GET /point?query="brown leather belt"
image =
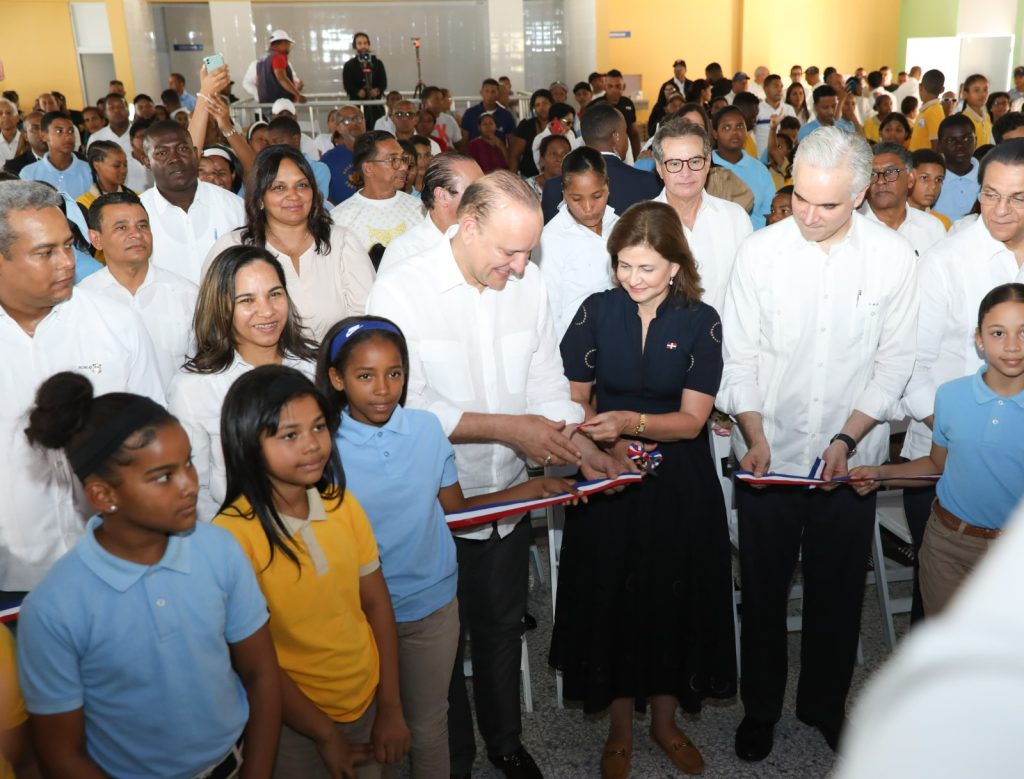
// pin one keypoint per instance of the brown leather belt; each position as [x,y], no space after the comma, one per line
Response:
[953,522]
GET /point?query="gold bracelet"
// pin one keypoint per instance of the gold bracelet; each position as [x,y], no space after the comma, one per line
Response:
[640,428]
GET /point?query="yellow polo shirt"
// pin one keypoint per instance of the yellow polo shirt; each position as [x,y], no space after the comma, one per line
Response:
[982,127]
[871,129]
[750,146]
[12,706]
[322,637]
[926,128]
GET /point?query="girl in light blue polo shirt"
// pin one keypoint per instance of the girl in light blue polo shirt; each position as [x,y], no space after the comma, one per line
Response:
[401,468]
[977,446]
[145,651]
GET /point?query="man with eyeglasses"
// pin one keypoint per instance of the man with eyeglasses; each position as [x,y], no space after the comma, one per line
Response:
[349,126]
[713,227]
[953,277]
[931,113]
[404,118]
[892,179]
[380,211]
[818,341]
[957,142]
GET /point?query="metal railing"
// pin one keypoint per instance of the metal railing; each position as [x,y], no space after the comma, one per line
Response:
[312,115]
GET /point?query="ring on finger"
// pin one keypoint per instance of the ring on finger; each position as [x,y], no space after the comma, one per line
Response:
[547,461]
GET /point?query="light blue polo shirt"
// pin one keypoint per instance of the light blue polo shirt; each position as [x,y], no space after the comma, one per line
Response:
[144,650]
[984,435]
[75,181]
[395,472]
[756,176]
[958,193]
[814,124]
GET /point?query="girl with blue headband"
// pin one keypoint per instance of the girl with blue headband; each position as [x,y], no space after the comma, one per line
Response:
[401,468]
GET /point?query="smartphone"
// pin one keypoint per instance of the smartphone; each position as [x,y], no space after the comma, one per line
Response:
[213,62]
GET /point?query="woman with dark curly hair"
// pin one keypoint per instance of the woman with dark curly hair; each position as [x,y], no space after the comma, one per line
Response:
[328,272]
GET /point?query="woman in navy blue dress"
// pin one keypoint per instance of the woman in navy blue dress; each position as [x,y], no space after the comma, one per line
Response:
[644,588]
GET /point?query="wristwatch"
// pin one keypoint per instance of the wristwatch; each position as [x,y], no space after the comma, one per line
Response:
[851,445]
[640,428]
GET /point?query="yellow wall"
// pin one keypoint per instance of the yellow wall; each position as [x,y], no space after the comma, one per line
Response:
[38,50]
[742,34]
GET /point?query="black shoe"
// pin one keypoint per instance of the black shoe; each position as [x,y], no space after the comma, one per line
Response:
[517,765]
[829,732]
[754,740]
[529,621]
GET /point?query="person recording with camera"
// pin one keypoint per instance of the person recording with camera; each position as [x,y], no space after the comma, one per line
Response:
[365,78]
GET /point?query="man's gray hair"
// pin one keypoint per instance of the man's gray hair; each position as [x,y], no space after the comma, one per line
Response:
[494,190]
[22,196]
[901,151]
[10,103]
[678,128]
[441,173]
[830,148]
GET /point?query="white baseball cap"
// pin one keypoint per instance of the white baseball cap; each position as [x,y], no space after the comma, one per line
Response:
[281,35]
[283,104]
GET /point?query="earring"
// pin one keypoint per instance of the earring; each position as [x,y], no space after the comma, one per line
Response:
[112,509]
[671,280]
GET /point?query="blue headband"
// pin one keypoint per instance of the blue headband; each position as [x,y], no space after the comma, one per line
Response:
[367,324]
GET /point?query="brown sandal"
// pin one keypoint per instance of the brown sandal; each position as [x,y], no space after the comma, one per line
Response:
[681,751]
[615,761]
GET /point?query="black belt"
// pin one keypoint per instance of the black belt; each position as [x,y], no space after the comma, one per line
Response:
[228,765]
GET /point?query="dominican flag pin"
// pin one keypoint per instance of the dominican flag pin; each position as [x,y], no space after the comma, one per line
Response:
[671,345]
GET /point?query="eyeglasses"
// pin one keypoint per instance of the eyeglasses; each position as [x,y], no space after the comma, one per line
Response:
[405,114]
[988,197]
[397,162]
[949,100]
[351,120]
[694,163]
[889,174]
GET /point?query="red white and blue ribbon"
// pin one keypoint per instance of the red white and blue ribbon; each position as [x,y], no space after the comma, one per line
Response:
[481,515]
[10,614]
[813,479]
[645,460]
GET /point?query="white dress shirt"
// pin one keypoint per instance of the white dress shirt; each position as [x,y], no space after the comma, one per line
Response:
[9,149]
[809,337]
[953,277]
[574,263]
[139,177]
[763,124]
[378,221]
[491,352]
[921,229]
[166,303]
[327,287]
[196,400]
[717,232]
[182,240]
[43,510]
[410,243]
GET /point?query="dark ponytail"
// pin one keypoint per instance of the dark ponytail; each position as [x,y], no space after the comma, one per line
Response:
[97,433]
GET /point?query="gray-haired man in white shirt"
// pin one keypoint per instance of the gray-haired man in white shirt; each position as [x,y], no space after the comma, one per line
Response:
[484,359]
[819,334]
[45,329]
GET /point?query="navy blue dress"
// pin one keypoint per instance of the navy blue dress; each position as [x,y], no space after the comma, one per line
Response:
[645,580]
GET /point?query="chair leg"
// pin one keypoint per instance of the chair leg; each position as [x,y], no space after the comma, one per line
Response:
[882,585]
[524,668]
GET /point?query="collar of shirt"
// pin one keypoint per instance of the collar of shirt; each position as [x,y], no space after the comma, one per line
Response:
[566,222]
[121,574]
[360,433]
[985,394]
[317,513]
[106,279]
[972,174]
[448,276]
[163,205]
[983,244]
[705,203]
[850,240]
[868,213]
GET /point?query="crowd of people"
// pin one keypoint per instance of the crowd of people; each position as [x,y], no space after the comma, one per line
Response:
[250,372]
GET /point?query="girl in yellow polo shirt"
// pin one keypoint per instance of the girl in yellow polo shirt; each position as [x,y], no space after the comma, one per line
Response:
[316,561]
[15,748]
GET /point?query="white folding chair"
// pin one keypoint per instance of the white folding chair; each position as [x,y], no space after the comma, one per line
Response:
[524,672]
[890,515]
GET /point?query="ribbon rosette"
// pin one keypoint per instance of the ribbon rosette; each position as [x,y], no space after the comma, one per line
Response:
[645,461]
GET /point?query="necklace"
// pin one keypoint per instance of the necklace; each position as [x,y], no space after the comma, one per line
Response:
[294,251]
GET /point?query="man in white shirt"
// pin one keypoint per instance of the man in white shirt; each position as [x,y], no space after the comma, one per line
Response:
[119,227]
[186,215]
[447,177]
[117,131]
[953,277]
[713,227]
[10,136]
[45,329]
[770,106]
[892,178]
[379,212]
[757,85]
[819,331]
[484,359]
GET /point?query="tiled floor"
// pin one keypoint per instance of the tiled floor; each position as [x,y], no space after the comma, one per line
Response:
[567,745]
